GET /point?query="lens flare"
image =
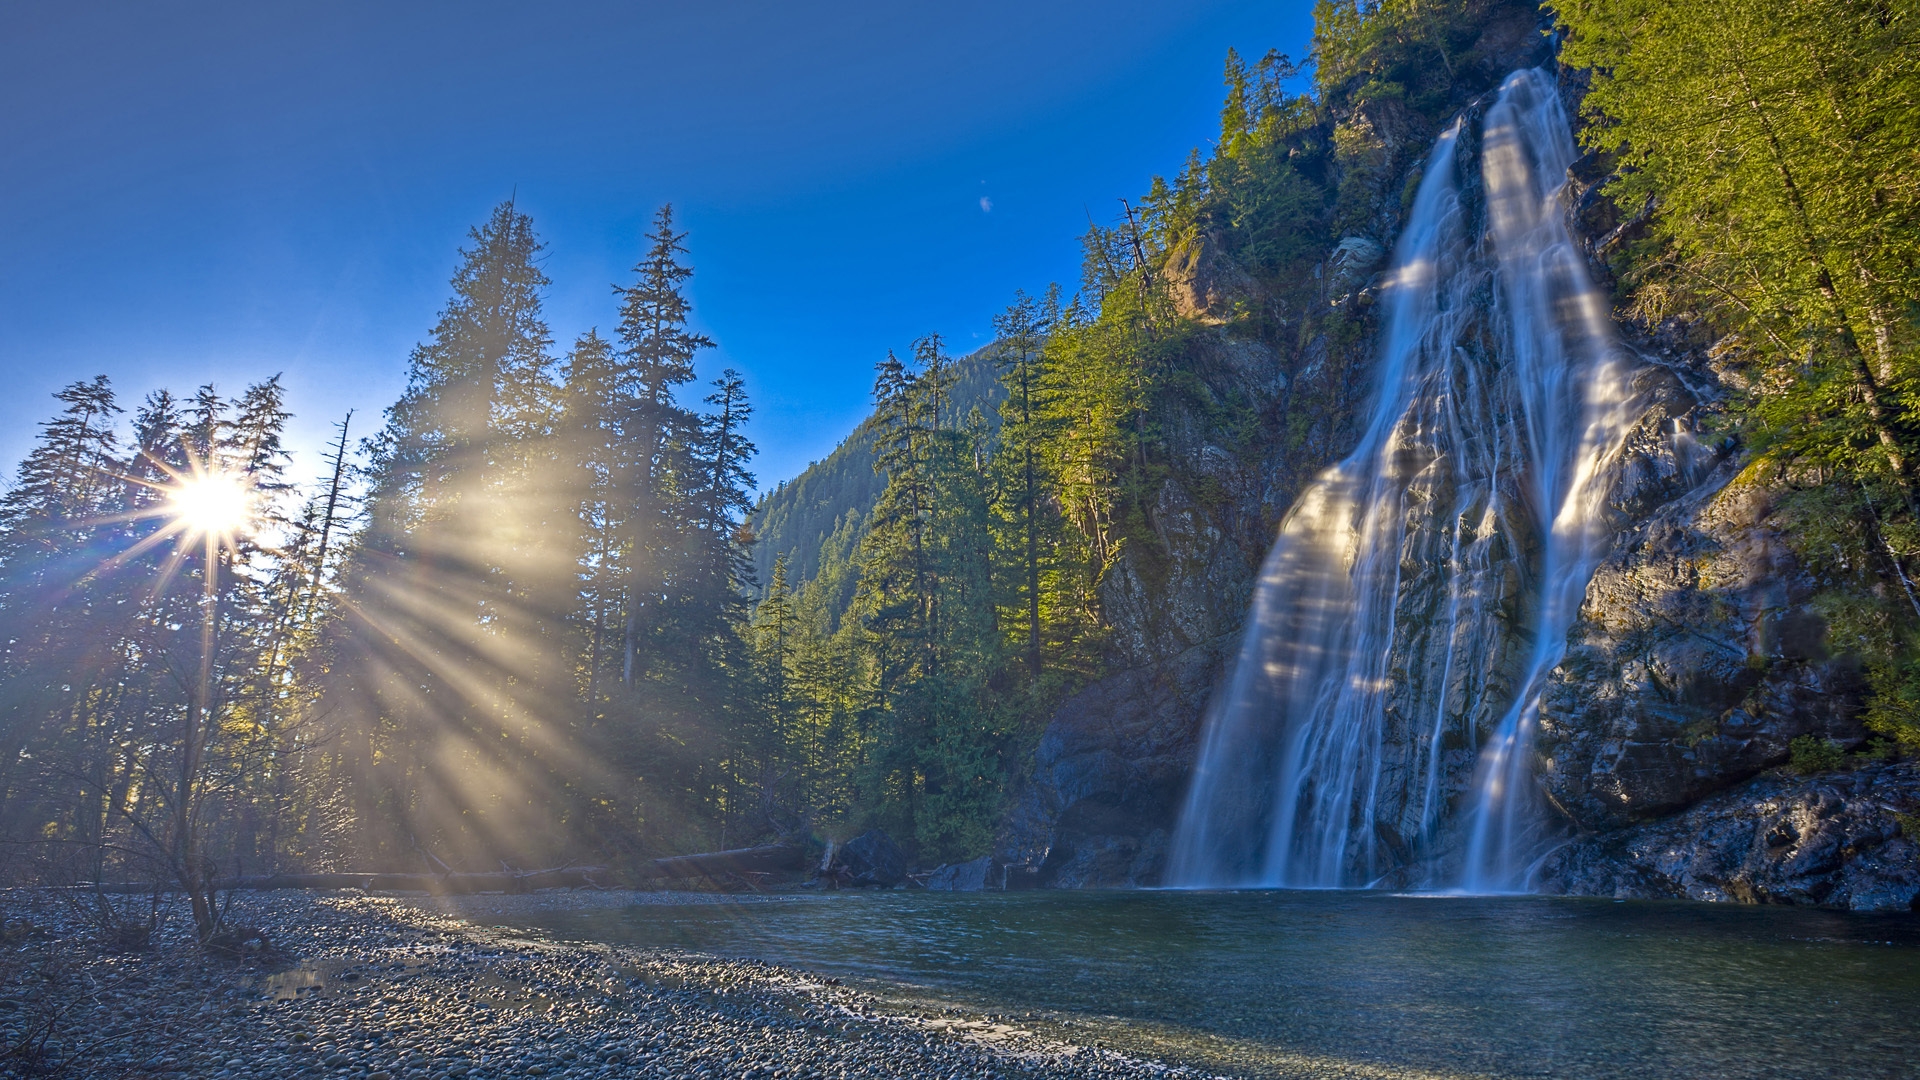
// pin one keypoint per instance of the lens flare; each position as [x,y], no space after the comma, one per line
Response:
[211,504]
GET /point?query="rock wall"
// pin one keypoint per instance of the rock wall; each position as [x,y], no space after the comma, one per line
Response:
[1696,662]
[1108,777]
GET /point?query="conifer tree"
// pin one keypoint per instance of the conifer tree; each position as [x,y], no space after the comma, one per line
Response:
[925,603]
[591,442]
[655,357]
[51,538]
[451,671]
[1022,332]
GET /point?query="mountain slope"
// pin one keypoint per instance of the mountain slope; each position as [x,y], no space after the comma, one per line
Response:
[831,497]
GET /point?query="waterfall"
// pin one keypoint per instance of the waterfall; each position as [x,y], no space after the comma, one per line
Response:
[1384,697]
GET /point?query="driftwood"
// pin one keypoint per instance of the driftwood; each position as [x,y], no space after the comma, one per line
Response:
[737,864]
[572,877]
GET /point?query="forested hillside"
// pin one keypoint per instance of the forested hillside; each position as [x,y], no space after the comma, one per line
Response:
[536,618]
[822,509]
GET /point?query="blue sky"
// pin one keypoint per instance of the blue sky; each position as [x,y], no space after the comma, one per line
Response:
[218,192]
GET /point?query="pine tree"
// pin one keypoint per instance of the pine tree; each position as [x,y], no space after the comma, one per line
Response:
[53,535]
[925,608]
[1777,143]
[591,442]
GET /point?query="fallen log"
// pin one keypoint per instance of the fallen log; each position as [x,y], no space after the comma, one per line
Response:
[720,865]
[571,877]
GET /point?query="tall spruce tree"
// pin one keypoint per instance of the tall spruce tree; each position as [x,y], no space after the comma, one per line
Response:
[926,615]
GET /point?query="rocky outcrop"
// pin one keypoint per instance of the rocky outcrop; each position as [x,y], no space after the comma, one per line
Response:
[1696,661]
[1206,285]
[1108,777]
[1845,840]
[1212,517]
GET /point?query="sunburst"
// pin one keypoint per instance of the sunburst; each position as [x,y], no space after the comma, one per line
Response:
[211,505]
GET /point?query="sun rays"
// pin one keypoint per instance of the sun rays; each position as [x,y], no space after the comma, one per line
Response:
[214,505]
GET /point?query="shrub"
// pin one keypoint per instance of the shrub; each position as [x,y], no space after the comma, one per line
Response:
[1811,754]
[1909,825]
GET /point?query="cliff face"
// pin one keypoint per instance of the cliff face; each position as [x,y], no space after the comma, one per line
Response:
[1696,659]
[1254,420]
[1695,663]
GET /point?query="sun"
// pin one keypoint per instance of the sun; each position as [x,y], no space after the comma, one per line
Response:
[215,504]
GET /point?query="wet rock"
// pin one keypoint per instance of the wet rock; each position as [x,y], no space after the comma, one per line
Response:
[1835,840]
[1350,264]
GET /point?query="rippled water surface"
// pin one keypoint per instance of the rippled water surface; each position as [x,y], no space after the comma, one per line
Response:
[1298,983]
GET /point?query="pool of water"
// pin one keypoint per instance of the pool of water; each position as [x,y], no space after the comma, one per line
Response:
[1276,983]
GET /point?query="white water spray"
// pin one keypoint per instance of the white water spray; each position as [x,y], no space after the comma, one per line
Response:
[1388,679]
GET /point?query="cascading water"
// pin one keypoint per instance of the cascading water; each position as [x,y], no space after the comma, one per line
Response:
[1419,591]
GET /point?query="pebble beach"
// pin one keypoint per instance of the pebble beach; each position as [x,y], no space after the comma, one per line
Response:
[380,987]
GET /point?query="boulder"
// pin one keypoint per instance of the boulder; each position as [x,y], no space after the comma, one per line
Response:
[1351,264]
[870,859]
[980,874]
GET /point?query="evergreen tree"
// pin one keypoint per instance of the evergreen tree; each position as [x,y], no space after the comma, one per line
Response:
[1022,330]
[450,676]
[591,408]
[52,537]
[926,607]
[656,356]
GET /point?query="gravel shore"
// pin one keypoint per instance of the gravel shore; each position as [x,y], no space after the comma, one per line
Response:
[382,987]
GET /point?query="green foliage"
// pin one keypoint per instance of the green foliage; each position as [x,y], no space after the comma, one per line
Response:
[1776,142]
[1770,148]
[798,519]
[1909,824]
[1420,53]
[1812,754]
